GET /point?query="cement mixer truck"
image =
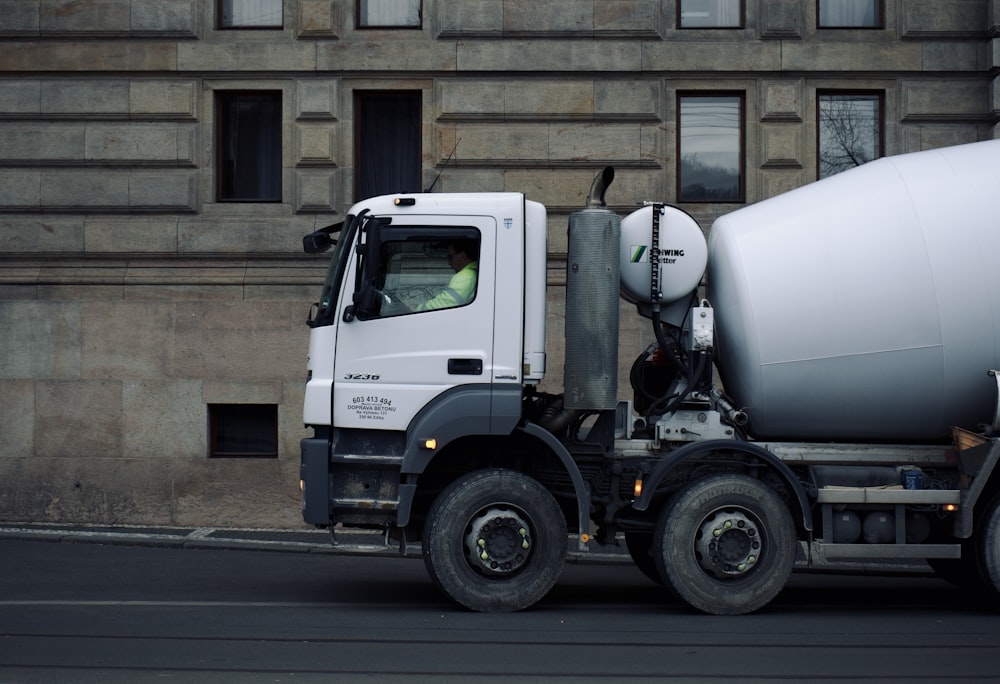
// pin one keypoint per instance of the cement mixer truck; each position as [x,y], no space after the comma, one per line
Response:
[819,387]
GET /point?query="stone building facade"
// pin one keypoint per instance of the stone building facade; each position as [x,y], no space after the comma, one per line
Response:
[152,318]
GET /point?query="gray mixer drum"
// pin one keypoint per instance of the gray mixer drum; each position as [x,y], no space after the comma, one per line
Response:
[865,305]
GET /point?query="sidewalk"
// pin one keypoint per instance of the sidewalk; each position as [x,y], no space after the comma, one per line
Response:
[298,541]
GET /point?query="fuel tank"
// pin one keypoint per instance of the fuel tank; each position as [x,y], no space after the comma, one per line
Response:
[865,306]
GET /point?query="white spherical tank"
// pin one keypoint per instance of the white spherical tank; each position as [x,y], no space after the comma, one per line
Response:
[865,305]
[683,254]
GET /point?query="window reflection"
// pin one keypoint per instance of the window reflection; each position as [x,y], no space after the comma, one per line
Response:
[850,130]
[389,13]
[250,13]
[711,13]
[849,13]
[710,158]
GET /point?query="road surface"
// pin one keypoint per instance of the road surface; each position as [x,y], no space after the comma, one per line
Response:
[113,613]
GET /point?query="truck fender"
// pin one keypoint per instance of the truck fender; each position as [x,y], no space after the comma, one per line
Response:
[695,450]
[479,409]
[475,409]
[407,491]
[582,493]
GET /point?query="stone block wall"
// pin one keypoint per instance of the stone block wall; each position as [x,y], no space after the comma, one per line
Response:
[130,299]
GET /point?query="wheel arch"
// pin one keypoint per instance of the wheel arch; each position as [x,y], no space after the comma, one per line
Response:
[690,454]
[528,449]
[457,416]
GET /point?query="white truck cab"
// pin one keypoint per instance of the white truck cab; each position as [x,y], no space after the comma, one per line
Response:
[486,347]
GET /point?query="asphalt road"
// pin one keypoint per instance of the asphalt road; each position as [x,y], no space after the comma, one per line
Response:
[111,613]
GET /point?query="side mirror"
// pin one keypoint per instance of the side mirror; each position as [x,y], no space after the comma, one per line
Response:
[317,243]
[321,240]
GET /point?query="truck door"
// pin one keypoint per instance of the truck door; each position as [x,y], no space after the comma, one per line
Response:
[416,317]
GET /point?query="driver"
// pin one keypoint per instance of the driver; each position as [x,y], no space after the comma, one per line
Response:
[463,257]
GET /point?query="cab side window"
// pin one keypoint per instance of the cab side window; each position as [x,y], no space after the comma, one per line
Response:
[426,275]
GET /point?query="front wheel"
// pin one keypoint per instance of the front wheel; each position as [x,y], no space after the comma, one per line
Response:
[495,541]
[726,544]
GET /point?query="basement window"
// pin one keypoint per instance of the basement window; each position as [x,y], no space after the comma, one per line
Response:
[243,430]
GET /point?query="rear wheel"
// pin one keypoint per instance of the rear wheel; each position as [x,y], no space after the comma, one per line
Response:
[726,544]
[965,572]
[495,541]
[989,547]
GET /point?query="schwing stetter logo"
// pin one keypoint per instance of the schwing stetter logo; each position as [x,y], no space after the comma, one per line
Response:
[640,255]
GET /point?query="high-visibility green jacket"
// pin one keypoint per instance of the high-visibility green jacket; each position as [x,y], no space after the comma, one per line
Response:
[460,289]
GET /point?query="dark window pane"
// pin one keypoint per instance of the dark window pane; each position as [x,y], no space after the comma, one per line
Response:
[710,148]
[388,144]
[243,430]
[249,142]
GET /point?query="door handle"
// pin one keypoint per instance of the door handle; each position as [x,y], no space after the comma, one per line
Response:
[465,366]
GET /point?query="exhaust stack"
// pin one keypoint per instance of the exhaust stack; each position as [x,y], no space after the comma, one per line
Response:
[592,284]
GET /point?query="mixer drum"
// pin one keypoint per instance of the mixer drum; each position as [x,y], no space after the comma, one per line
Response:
[865,305]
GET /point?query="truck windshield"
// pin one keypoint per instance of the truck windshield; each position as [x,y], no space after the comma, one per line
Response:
[325,309]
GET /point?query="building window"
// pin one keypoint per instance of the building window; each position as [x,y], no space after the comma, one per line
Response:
[243,430]
[388,13]
[849,129]
[710,13]
[387,143]
[248,143]
[250,14]
[849,13]
[710,155]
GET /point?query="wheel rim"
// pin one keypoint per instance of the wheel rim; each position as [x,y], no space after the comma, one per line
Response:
[498,541]
[729,542]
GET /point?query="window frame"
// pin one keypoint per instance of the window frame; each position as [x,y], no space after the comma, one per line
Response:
[359,25]
[680,19]
[384,243]
[222,26]
[877,26]
[222,137]
[849,92]
[742,144]
[218,412]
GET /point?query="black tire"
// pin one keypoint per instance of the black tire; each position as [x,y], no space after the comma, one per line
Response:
[964,573]
[640,548]
[495,541]
[988,551]
[726,545]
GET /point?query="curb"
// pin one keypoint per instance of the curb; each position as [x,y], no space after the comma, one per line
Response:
[354,543]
